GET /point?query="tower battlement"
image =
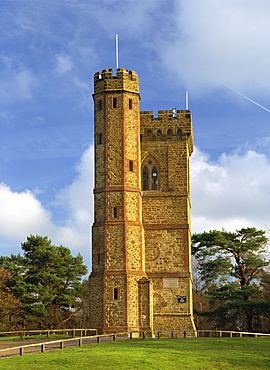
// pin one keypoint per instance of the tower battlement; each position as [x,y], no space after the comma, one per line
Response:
[165,114]
[173,120]
[124,80]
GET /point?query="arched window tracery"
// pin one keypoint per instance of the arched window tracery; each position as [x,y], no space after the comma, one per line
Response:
[145,178]
[149,175]
[154,178]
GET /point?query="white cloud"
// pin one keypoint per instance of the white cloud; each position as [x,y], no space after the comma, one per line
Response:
[22,214]
[6,118]
[17,81]
[80,84]
[129,18]
[232,193]
[220,42]
[63,64]
[18,85]
[77,200]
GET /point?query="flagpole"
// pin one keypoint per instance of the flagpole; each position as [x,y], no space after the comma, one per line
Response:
[116,50]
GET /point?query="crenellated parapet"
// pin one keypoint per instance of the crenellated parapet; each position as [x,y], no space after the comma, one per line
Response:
[124,80]
[167,125]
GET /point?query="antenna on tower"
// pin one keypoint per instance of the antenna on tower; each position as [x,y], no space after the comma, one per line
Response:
[116,50]
[186,100]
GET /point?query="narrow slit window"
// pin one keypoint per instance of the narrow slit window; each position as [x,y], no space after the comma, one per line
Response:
[99,138]
[115,293]
[145,178]
[100,105]
[98,258]
[115,212]
[154,178]
[114,102]
[130,103]
[131,167]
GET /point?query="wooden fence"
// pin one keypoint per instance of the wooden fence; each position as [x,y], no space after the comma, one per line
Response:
[223,333]
[79,341]
[58,344]
[71,332]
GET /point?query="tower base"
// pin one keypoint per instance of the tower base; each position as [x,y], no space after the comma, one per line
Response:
[182,325]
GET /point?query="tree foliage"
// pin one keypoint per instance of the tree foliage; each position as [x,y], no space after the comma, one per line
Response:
[47,280]
[9,304]
[231,267]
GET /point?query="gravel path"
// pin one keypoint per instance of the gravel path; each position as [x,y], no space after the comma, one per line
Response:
[36,348]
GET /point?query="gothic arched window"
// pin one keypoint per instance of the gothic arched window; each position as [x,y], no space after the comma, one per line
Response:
[149,175]
[154,178]
[145,178]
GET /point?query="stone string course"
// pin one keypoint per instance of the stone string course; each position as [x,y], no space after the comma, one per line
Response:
[141,258]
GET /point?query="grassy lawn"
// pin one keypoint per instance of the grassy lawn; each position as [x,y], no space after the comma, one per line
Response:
[163,354]
[42,336]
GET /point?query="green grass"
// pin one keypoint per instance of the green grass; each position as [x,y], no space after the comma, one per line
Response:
[163,354]
[42,336]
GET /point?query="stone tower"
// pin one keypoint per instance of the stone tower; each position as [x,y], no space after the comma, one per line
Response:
[141,260]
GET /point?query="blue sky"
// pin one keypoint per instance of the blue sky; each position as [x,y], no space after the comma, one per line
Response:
[49,52]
